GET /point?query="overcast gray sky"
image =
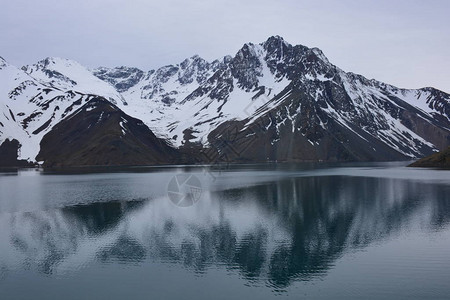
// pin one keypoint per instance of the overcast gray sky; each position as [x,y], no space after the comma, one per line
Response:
[402,42]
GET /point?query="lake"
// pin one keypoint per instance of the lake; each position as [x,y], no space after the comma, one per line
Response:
[319,231]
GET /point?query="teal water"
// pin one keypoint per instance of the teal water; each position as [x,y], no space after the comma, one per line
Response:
[314,231]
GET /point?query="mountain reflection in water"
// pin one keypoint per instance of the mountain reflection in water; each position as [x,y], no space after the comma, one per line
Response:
[275,231]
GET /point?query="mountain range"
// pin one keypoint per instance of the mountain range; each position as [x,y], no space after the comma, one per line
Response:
[271,101]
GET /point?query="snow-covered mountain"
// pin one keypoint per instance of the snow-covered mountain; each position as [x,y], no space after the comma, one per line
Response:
[270,101]
[31,107]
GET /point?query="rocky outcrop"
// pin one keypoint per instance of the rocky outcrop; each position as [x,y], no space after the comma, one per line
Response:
[9,155]
[437,160]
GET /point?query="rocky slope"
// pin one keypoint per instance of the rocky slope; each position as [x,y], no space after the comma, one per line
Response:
[100,134]
[269,102]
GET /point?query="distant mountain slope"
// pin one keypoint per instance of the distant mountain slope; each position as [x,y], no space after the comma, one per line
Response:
[436,160]
[271,101]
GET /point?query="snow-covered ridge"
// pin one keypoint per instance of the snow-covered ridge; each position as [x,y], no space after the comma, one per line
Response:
[66,74]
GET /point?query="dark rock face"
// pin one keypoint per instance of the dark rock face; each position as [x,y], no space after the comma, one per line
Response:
[246,67]
[8,155]
[100,134]
[299,130]
[122,78]
[437,100]
[193,69]
[263,141]
[218,87]
[437,160]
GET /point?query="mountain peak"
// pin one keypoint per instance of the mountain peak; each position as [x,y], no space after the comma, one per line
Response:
[193,60]
[275,39]
[52,64]
[68,74]
[196,57]
[50,61]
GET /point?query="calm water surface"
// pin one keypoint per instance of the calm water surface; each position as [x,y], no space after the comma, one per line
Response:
[347,231]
